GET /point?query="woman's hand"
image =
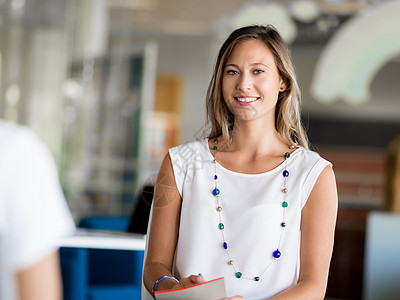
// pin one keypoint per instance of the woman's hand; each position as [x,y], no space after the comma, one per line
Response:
[191,280]
[169,284]
[187,281]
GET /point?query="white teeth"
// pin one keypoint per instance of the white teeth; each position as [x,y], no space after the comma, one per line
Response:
[246,99]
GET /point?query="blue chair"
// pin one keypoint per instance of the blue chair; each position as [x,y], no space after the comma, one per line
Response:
[74,269]
[103,274]
[114,223]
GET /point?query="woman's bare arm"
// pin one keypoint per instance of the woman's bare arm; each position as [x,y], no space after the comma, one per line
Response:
[164,230]
[317,235]
[41,281]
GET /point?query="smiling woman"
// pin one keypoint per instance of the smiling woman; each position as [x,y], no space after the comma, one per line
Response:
[233,205]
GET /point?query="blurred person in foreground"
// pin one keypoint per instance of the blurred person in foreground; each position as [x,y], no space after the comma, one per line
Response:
[33,217]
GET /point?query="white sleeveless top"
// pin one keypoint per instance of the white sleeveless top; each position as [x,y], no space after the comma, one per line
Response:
[252,214]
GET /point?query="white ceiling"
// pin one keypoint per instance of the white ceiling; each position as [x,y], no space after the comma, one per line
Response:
[189,18]
[198,17]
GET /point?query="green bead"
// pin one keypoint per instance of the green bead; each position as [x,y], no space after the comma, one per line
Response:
[284,204]
[221,226]
[215,147]
[238,274]
[287,155]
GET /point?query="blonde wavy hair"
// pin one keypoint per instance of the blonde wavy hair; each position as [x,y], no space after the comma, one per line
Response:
[287,114]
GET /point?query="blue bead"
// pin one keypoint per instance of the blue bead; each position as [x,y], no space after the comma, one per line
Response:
[286,173]
[276,254]
[225,245]
[215,192]
[256,278]
[215,147]
[215,177]
[283,224]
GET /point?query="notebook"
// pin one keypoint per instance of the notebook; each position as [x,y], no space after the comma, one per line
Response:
[209,290]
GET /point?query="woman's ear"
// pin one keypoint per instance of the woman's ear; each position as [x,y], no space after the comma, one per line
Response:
[283,85]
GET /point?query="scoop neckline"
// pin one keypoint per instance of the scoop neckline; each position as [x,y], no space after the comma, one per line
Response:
[247,174]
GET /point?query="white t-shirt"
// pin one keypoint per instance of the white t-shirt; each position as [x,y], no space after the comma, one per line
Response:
[33,211]
[252,215]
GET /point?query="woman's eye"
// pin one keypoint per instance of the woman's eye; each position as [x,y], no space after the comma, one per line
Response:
[258,71]
[232,72]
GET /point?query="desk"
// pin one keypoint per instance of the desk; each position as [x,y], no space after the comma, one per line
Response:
[102,239]
[98,264]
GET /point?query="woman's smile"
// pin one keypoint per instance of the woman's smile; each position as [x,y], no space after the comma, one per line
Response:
[246,100]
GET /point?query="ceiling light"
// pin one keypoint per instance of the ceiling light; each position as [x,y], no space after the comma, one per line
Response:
[17,4]
[259,13]
[133,4]
[304,11]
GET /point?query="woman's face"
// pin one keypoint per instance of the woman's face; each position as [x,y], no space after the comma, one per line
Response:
[251,82]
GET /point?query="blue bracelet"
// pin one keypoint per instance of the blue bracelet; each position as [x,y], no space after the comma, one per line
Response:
[160,279]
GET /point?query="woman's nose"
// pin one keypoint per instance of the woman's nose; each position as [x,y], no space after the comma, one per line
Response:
[244,83]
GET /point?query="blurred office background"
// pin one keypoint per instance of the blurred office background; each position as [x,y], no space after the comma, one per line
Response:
[110,85]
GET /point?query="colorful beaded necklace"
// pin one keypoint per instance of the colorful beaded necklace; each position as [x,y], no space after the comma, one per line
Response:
[216,192]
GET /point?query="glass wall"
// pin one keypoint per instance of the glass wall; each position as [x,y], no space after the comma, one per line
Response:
[86,99]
